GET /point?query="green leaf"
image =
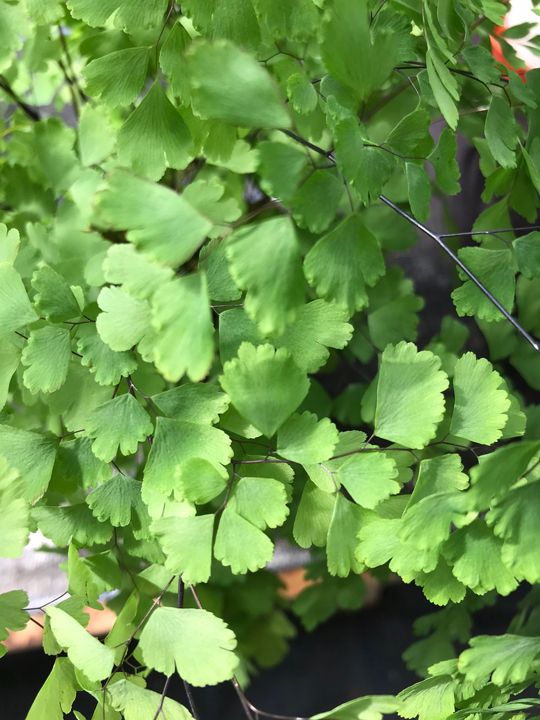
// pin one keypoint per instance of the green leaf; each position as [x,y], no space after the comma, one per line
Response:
[10,357]
[365,708]
[9,244]
[340,277]
[506,658]
[124,320]
[444,87]
[198,481]
[58,693]
[427,523]
[515,519]
[230,85]
[527,249]
[176,441]
[501,132]
[14,26]
[313,516]
[54,297]
[482,63]
[341,543]
[264,385]
[187,543]
[139,277]
[440,586]
[369,478]
[173,62]
[275,156]
[495,269]
[410,400]
[120,424]
[443,159]
[240,545]
[15,514]
[475,556]
[90,576]
[76,465]
[410,132]
[86,653]
[117,78]
[53,147]
[481,403]
[195,642]
[155,137]
[59,524]
[47,356]
[12,615]
[265,260]
[15,308]
[109,366]
[261,501]
[170,234]
[419,187]
[182,317]
[119,500]
[351,54]
[199,403]
[138,703]
[97,136]
[431,699]
[32,455]
[302,94]
[442,474]
[131,15]
[316,201]
[304,439]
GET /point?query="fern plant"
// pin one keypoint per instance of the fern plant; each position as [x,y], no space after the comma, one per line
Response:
[197,203]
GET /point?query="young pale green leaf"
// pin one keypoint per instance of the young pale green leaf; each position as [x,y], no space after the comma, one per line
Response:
[230,85]
[505,658]
[341,543]
[431,699]
[119,424]
[316,201]
[314,515]
[176,441]
[340,277]
[281,169]
[527,249]
[481,405]
[495,269]
[15,308]
[9,244]
[187,543]
[12,615]
[264,385]
[155,137]
[53,147]
[443,159]
[261,501]
[139,277]
[302,94]
[124,320]
[117,78]
[501,132]
[410,400]
[265,260]
[46,356]
[306,440]
[182,318]
[58,693]
[378,542]
[15,513]
[109,366]
[131,15]
[97,136]
[350,52]
[198,481]
[138,703]
[169,234]
[54,298]
[440,586]
[364,708]
[196,643]
[369,477]
[119,500]
[32,455]
[86,653]
[475,556]
[427,523]
[419,187]
[440,474]
[240,545]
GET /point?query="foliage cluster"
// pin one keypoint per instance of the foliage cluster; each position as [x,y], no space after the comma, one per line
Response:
[194,233]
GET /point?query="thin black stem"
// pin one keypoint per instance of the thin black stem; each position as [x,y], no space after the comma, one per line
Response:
[489,232]
[50,602]
[29,111]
